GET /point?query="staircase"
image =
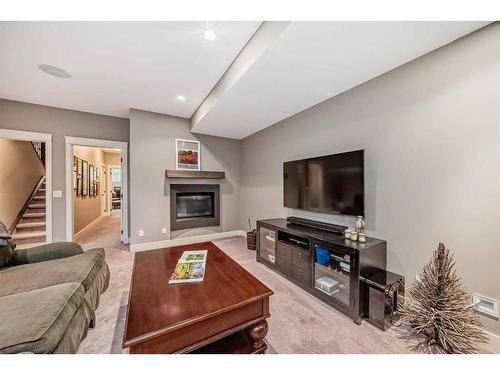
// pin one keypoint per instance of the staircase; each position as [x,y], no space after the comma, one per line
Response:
[31,228]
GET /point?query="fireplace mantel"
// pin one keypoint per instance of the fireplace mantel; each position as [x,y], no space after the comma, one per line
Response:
[173,173]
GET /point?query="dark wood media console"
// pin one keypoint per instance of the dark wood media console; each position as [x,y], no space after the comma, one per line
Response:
[336,277]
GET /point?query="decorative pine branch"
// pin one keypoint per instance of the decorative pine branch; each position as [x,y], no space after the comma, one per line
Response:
[437,306]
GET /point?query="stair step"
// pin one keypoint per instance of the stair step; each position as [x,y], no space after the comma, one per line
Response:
[27,230]
[30,241]
[32,219]
[27,235]
[29,225]
[36,205]
[41,191]
[36,211]
[39,197]
[33,215]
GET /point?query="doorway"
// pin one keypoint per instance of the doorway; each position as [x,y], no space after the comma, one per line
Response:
[27,207]
[114,192]
[88,205]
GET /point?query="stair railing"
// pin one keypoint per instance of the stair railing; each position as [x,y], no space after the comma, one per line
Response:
[39,148]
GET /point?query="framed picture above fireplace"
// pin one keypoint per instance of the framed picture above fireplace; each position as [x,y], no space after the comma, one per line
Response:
[187,153]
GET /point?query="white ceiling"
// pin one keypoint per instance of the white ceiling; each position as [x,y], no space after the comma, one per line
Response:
[285,68]
[117,65]
[310,62]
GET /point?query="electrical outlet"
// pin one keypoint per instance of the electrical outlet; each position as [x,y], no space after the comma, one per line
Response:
[141,233]
[485,305]
[164,230]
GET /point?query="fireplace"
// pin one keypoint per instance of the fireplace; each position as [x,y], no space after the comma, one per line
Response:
[193,206]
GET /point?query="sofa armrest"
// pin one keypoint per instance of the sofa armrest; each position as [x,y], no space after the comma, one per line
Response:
[46,252]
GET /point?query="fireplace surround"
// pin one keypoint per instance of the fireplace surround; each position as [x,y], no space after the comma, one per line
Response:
[194,206]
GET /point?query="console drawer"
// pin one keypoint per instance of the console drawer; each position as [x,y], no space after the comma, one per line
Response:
[301,259]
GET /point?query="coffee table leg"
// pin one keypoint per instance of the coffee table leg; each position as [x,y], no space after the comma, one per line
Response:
[257,333]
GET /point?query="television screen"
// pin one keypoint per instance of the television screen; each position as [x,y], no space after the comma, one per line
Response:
[331,184]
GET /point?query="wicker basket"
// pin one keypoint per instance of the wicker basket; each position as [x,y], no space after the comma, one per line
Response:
[252,240]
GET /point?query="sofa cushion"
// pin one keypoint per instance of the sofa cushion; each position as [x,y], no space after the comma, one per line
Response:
[81,268]
[6,254]
[35,321]
[43,253]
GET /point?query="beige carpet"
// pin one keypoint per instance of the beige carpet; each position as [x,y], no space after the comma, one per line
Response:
[299,323]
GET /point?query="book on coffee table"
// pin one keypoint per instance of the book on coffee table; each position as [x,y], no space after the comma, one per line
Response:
[190,267]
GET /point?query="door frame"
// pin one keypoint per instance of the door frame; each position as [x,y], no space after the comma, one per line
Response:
[103,189]
[21,135]
[101,143]
[109,185]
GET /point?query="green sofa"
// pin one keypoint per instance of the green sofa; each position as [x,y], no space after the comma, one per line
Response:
[48,296]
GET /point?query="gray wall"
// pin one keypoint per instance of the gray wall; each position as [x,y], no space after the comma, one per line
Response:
[431,134]
[60,123]
[20,172]
[152,151]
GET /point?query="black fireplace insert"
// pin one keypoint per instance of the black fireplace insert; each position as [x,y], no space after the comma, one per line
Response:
[194,205]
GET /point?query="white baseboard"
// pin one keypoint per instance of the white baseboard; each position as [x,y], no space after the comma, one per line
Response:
[88,226]
[184,241]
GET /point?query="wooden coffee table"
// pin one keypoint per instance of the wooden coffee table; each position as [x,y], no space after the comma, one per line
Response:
[226,313]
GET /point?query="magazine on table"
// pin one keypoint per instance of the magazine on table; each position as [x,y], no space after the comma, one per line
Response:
[190,267]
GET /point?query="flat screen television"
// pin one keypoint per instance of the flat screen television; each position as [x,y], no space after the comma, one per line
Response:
[332,184]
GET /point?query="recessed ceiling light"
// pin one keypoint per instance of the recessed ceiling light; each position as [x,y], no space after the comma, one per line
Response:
[54,71]
[209,34]
[181,98]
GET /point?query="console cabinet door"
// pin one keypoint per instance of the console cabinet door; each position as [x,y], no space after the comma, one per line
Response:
[267,245]
[284,259]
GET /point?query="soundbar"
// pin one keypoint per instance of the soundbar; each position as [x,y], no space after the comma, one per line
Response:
[334,228]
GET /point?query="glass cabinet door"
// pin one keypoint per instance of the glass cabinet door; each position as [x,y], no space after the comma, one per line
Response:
[267,244]
[332,273]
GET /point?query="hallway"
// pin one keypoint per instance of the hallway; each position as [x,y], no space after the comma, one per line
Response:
[105,233]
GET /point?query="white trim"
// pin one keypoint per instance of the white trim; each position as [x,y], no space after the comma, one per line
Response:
[102,143]
[103,189]
[95,221]
[21,135]
[184,240]
[92,142]
[109,186]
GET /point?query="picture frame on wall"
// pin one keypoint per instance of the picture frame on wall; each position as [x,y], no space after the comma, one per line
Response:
[85,178]
[79,167]
[75,164]
[75,180]
[187,155]
[79,186]
[91,180]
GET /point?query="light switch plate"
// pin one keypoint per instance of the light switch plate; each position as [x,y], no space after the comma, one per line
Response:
[57,194]
[485,305]
[164,230]
[141,233]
